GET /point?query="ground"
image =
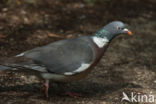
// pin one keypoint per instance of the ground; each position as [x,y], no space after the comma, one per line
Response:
[128,65]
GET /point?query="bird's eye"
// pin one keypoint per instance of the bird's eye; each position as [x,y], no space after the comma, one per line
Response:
[119,28]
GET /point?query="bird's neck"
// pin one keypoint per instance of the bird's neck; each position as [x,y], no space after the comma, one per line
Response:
[103,33]
[102,37]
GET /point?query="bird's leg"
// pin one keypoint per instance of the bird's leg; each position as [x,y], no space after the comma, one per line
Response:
[46,85]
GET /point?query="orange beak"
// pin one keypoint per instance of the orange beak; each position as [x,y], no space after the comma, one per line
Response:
[128,31]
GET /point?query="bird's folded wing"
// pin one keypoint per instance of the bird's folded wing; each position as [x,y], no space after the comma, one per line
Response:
[67,57]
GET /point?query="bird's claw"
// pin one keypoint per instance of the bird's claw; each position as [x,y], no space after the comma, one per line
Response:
[71,94]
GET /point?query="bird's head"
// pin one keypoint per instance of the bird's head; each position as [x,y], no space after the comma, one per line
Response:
[117,27]
[113,29]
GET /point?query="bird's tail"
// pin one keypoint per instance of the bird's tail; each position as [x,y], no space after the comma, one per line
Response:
[23,68]
[19,65]
[12,67]
[3,68]
[7,64]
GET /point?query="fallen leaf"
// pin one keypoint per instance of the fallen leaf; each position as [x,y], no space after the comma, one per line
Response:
[70,36]
[55,36]
[2,36]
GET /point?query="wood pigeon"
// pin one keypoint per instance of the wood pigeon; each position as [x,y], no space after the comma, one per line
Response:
[67,60]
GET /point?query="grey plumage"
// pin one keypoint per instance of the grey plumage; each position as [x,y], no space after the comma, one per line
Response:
[2,68]
[63,56]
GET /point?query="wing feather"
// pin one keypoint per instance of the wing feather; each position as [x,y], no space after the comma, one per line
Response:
[65,56]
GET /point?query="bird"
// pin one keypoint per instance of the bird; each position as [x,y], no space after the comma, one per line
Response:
[66,60]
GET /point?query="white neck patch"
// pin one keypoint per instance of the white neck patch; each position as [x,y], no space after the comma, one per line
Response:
[100,42]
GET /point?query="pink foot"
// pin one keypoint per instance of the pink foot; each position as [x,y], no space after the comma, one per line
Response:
[71,94]
[46,85]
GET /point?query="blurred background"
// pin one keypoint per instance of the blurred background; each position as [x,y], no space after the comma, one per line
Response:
[129,64]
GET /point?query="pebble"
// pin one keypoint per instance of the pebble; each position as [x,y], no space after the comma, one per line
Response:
[1,27]
[5,9]
[103,102]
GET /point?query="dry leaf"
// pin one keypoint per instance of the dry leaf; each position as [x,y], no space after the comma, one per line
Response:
[55,36]
[2,36]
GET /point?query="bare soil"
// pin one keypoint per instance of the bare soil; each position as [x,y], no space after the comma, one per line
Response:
[129,65]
